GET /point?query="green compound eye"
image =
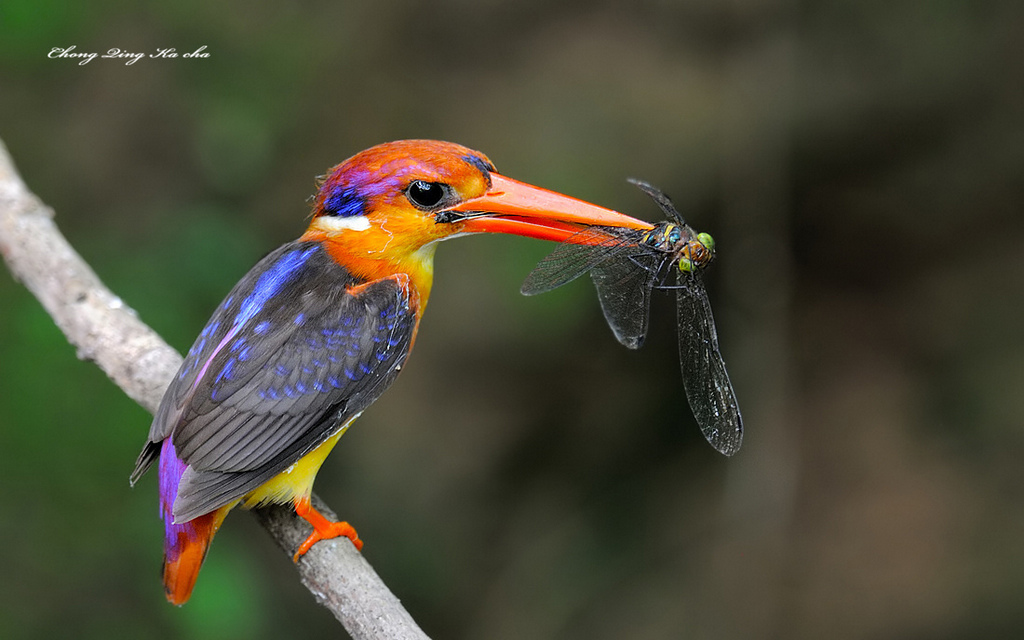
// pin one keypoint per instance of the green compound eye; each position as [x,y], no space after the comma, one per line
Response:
[706,240]
[685,265]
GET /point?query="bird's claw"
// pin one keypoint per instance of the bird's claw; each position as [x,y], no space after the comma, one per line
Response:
[333,530]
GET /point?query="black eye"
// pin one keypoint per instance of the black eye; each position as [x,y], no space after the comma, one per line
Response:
[426,195]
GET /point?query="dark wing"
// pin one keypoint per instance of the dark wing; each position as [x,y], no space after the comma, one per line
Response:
[624,287]
[580,253]
[663,201]
[708,388]
[264,386]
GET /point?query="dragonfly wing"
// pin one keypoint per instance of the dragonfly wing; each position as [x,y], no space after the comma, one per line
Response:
[624,287]
[574,257]
[705,379]
[663,201]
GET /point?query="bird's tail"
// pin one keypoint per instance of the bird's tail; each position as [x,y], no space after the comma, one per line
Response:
[186,543]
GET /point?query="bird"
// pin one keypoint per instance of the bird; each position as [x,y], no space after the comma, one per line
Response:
[317,330]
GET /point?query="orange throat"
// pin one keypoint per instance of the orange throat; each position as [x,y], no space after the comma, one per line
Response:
[378,252]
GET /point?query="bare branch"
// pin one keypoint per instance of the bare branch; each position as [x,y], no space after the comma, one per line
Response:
[109,333]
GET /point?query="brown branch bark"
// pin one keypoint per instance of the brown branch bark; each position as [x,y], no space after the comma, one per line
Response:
[109,333]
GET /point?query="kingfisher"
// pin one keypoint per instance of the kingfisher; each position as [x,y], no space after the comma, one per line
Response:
[318,330]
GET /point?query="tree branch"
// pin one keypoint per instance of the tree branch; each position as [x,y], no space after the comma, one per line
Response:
[109,333]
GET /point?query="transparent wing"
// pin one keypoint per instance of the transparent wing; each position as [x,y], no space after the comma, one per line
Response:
[580,253]
[624,287]
[708,388]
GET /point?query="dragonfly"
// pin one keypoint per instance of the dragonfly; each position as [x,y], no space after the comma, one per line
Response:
[626,265]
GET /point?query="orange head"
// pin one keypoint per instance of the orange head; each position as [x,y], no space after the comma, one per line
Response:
[383,210]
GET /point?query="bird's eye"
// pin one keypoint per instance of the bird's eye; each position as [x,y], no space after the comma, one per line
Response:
[426,195]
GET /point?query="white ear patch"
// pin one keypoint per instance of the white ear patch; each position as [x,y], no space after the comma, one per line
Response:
[333,224]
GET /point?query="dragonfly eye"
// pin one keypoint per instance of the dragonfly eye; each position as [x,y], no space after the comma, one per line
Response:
[706,240]
[685,265]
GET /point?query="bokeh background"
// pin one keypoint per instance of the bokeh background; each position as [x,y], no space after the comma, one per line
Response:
[861,165]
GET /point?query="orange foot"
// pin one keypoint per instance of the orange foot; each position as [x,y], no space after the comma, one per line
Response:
[323,529]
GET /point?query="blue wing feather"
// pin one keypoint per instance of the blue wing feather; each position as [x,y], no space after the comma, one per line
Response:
[288,358]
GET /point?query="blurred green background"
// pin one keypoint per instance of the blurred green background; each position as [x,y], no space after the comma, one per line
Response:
[861,165]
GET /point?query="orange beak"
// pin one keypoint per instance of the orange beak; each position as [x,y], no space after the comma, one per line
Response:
[514,207]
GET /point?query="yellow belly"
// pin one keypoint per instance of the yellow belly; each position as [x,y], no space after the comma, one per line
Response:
[297,480]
